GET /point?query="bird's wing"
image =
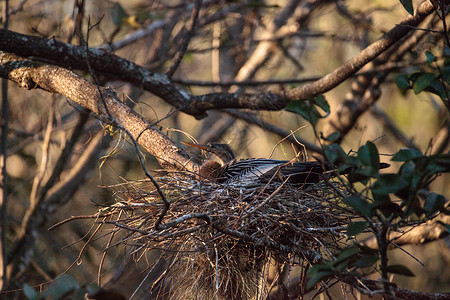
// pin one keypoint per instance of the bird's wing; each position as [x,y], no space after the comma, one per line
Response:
[249,171]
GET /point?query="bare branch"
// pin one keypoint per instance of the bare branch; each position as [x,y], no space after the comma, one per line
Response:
[336,77]
[58,80]
[373,287]
[432,230]
[187,39]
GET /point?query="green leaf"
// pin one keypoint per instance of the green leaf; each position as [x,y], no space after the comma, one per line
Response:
[346,254]
[359,204]
[434,164]
[406,154]
[30,293]
[400,269]
[62,286]
[446,70]
[389,183]
[366,261]
[344,259]
[332,137]
[433,203]
[118,14]
[368,154]
[321,102]
[188,57]
[430,57]
[370,162]
[355,228]
[423,81]
[436,87]
[307,109]
[446,226]
[389,208]
[317,273]
[335,153]
[402,82]
[408,5]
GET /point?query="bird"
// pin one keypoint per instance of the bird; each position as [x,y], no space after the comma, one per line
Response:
[260,170]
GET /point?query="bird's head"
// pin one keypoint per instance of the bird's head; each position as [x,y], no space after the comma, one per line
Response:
[222,151]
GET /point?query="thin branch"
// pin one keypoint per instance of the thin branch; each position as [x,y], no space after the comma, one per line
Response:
[372,287]
[187,38]
[115,67]
[58,195]
[389,124]
[59,80]
[135,36]
[251,118]
[343,72]
[432,230]
[3,174]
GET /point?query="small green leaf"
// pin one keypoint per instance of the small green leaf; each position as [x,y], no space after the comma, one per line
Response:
[62,286]
[433,203]
[446,70]
[402,82]
[430,57]
[446,226]
[408,5]
[335,153]
[305,109]
[406,154]
[344,259]
[332,137]
[118,14]
[317,273]
[423,81]
[389,208]
[366,261]
[368,155]
[188,57]
[400,269]
[30,293]
[355,228]
[436,87]
[389,183]
[321,102]
[359,204]
[346,254]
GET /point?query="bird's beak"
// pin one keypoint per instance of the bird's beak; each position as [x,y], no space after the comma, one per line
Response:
[199,146]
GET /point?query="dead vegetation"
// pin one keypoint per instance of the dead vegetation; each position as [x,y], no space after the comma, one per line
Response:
[218,238]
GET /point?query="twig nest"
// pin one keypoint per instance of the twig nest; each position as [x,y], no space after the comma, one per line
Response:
[217,235]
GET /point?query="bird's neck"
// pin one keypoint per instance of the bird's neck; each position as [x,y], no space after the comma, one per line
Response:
[211,170]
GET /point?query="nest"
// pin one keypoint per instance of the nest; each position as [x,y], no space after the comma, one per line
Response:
[218,238]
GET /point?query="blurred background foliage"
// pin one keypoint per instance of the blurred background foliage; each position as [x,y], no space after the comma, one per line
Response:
[332,34]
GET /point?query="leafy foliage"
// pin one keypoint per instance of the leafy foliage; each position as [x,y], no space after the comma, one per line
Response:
[436,80]
[408,5]
[380,212]
[61,288]
[308,109]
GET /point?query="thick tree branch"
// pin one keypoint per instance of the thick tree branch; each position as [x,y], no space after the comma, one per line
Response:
[53,79]
[365,90]
[336,77]
[103,62]
[113,66]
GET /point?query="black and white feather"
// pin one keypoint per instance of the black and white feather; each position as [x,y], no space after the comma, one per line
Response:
[251,171]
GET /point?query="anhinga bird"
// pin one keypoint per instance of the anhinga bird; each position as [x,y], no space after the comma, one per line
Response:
[261,170]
